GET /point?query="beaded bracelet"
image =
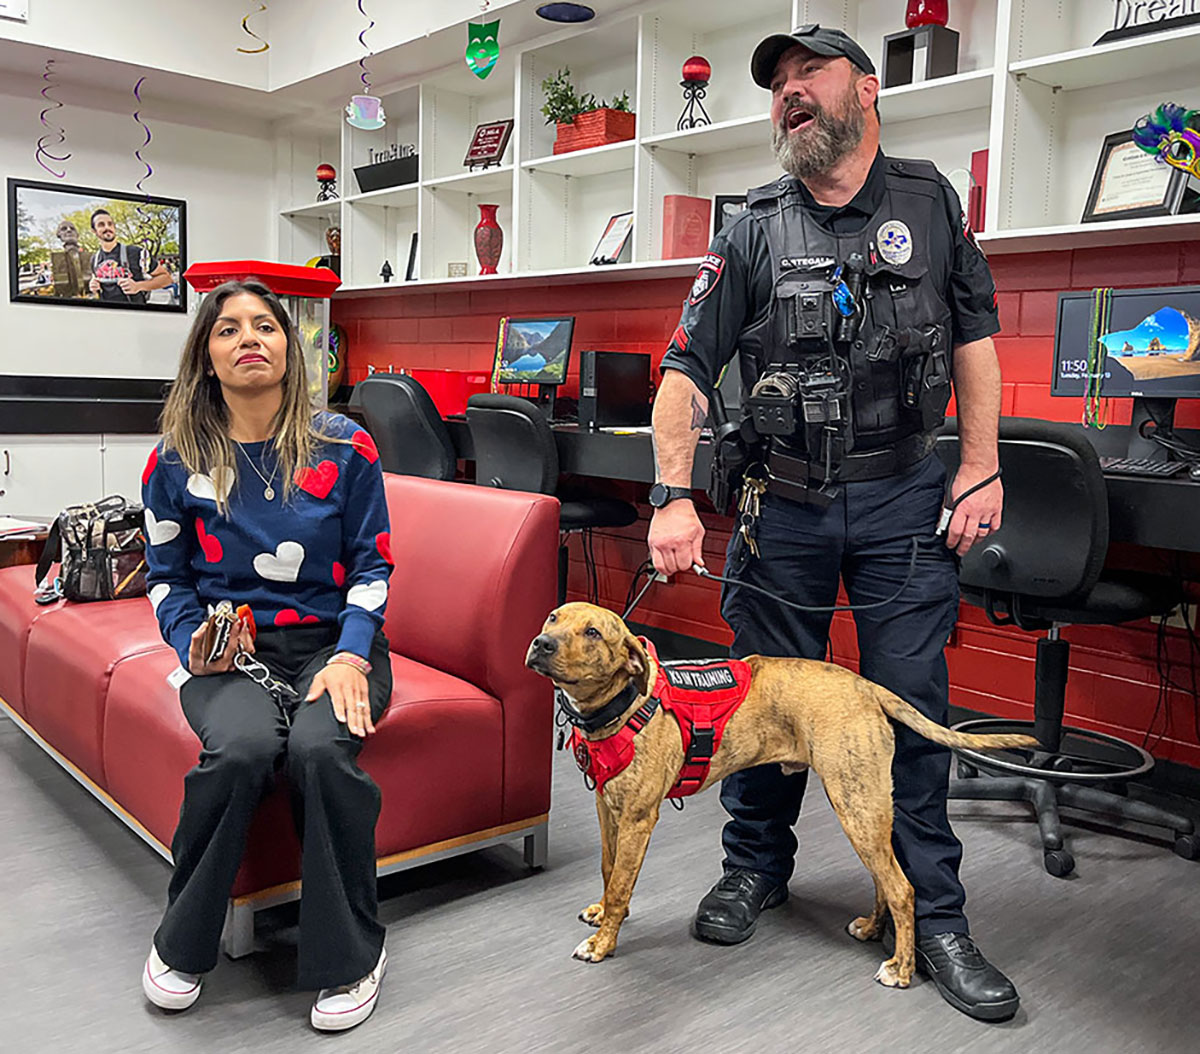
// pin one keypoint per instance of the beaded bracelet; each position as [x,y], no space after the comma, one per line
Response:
[348,658]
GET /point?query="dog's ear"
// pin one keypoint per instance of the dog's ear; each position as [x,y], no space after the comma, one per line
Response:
[637,663]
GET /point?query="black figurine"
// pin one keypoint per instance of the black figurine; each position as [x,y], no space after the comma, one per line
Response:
[387,272]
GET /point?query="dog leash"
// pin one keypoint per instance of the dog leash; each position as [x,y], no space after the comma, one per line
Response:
[948,511]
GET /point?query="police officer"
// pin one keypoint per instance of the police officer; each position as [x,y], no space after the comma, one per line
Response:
[855,293]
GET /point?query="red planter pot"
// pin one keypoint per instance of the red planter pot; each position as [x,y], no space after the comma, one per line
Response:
[594,128]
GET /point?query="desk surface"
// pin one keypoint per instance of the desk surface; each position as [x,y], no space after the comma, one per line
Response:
[1161,513]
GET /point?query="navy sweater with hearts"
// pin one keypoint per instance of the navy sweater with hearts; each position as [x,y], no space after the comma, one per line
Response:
[324,556]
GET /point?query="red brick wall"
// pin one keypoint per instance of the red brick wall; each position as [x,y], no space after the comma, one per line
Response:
[1113,684]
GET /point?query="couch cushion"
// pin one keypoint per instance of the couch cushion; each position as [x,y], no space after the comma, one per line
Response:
[70,657]
[17,614]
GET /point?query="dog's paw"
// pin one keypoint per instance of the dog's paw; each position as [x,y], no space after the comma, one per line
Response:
[593,914]
[890,975]
[865,929]
[589,951]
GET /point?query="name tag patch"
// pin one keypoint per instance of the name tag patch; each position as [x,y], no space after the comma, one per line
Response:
[700,679]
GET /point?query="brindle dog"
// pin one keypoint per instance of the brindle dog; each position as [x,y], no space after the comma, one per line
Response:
[798,713]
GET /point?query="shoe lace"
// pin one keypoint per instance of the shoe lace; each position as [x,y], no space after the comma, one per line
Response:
[353,989]
[737,881]
[963,948]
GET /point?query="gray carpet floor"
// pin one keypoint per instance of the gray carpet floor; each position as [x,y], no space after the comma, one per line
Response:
[1108,961]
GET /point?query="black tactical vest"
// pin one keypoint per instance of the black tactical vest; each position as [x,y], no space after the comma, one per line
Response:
[900,357]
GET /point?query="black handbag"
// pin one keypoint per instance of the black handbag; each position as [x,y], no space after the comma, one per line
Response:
[102,546]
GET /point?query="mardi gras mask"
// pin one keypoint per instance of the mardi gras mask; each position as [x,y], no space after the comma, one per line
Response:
[483,47]
[1168,134]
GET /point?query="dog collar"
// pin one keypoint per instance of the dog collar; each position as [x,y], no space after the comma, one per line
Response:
[597,719]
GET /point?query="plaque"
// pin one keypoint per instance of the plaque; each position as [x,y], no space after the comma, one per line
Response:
[612,241]
[488,144]
[1131,184]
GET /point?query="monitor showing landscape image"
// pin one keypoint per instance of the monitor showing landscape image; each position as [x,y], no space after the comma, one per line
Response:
[534,350]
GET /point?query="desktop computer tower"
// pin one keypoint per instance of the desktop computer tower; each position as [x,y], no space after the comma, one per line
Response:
[614,389]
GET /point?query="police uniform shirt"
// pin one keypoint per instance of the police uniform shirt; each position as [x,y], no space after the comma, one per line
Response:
[733,287]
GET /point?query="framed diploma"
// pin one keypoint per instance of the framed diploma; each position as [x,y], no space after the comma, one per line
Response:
[1130,184]
[612,241]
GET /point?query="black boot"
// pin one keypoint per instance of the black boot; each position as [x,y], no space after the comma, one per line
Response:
[729,912]
[967,981]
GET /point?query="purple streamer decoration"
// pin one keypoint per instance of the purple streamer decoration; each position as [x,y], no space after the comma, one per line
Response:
[362,61]
[138,152]
[41,150]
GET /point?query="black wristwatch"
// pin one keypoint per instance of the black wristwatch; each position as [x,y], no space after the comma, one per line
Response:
[661,494]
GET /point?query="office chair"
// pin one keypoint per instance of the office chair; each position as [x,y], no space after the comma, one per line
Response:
[404,422]
[515,450]
[1044,570]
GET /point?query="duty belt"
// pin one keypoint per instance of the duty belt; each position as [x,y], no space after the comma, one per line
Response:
[790,474]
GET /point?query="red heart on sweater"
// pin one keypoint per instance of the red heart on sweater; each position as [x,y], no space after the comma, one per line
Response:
[383,542]
[210,543]
[365,445]
[317,481]
[339,574]
[291,617]
[151,465]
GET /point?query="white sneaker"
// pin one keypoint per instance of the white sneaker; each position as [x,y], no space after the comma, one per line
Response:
[350,1004]
[167,988]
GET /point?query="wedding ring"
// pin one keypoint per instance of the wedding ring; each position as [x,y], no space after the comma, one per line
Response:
[361,706]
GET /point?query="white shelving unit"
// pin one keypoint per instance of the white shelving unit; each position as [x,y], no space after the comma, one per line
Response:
[1032,88]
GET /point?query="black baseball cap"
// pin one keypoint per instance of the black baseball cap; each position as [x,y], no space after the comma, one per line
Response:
[817,39]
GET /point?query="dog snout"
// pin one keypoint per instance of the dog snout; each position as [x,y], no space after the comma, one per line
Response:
[543,645]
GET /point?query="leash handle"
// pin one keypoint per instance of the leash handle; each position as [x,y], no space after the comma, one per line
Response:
[949,510]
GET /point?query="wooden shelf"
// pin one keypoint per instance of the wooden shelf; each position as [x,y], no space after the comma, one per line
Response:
[684,268]
[482,182]
[316,209]
[1113,63]
[612,157]
[402,197]
[741,133]
[911,102]
[1085,235]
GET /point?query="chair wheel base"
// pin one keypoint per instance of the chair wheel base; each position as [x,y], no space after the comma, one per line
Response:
[1058,862]
[1187,846]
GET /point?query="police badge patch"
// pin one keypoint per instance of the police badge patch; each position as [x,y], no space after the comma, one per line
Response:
[970,234]
[895,242]
[707,277]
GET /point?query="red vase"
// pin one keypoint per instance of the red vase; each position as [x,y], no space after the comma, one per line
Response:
[489,239]
[927,13]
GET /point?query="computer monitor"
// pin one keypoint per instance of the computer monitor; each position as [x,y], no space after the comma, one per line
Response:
[534,350]
[1149,351]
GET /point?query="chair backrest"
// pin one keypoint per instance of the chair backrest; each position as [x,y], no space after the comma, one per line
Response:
[1053,536]
[514,446]
[408,430]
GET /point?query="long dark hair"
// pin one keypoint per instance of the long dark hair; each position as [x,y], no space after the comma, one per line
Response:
[195,418]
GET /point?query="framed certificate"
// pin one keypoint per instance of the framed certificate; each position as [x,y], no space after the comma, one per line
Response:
[612,241]
[1130,184]
[488,144]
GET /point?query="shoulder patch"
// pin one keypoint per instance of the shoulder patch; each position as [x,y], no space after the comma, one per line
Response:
[707,276]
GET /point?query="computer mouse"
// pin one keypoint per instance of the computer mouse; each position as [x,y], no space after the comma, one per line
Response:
[1194,473]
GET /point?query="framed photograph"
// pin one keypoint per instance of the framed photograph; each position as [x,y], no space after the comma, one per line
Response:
[1131,184]
[612,241]
[95,248]
[726,208]
[488,144]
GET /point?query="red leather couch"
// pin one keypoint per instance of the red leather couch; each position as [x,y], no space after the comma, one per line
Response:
[462,755]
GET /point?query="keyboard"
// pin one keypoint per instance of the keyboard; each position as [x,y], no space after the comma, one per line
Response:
[1137,466]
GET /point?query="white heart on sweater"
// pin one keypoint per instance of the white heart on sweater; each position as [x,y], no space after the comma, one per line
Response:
[160,531]
[202,486]
[284,565]
[159,593]
[368,595]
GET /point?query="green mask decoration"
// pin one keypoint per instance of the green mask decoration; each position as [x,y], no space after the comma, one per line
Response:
[483,47]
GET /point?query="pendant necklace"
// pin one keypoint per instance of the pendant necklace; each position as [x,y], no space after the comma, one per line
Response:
[269,492]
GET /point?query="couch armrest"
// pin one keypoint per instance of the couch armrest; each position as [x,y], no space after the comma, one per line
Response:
[476,575]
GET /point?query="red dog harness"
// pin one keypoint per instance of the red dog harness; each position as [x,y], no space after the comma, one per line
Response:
[702,696]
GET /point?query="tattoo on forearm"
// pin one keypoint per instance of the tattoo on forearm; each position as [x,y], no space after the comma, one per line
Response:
[699,415]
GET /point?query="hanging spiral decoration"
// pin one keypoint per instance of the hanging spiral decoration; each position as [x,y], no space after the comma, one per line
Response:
[41,150]
[362,62]
[247,29]
[137,116]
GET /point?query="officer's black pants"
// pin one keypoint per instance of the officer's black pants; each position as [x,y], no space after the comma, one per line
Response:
[866,537]
[246,738]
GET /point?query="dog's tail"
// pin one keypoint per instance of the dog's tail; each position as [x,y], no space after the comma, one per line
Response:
[898,710]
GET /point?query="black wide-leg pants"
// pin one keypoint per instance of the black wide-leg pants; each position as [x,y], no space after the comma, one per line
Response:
[247,738]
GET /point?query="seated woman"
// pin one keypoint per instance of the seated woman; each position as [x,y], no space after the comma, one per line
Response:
[252,498]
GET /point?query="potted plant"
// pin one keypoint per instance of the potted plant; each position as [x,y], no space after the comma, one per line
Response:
[582,121]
